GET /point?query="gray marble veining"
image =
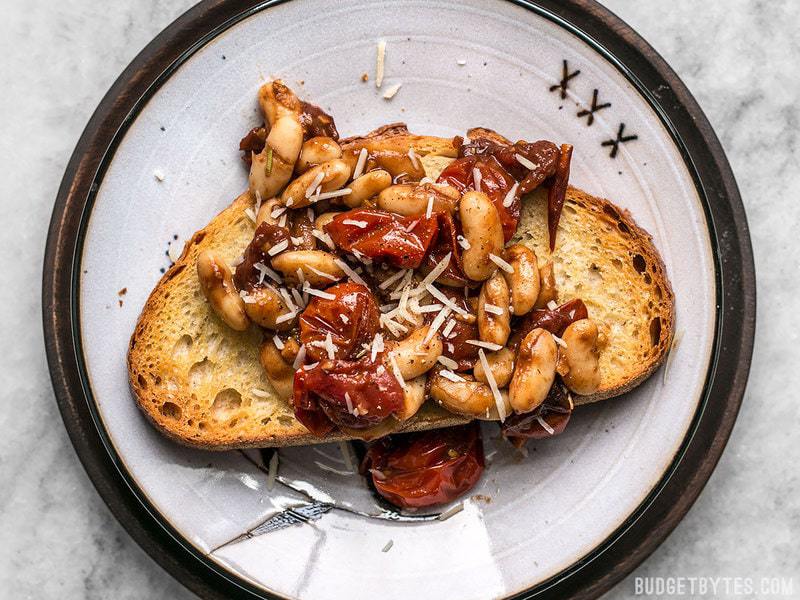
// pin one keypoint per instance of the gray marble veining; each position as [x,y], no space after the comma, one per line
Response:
[738,57]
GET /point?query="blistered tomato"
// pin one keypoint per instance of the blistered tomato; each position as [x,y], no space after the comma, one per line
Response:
[417,470]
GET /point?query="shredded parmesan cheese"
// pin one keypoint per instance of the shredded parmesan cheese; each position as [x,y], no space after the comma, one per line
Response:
[324,238]
[388,546]
[377,346]
[272,472]
[360,163]
[545,425]
[285,317]
[388,282]
[476,178]
[259,393]
[434,274]
[325,467]
[498,398]
[333,194]
[501,263]
[396,370]
[487,345]
[421,310]
[320,273]
[493,308]
[329,347]
[315,184]
[301,356]
[447,362]
[278,342]
[391,91]
[250,214]
[552,305]
[509,199]
[445,300]
[451,376]
[159,174]
[277,212]
[559,341]
[413,156]
[361,224]
[448,329]
[436,324]
[278,248]
[319,293]
[344,448]
[525,162]
[380,63]
[265,271]
[462,241]
[349,271]
[451,511]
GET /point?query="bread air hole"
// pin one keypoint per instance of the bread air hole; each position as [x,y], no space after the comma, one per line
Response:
[225,402]
[182,347]
[171,411]
[655,331]
[639,263]
[200,372]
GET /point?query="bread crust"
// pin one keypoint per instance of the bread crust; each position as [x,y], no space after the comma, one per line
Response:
[164,392]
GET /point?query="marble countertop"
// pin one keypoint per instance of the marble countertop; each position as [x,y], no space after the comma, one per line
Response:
[739,58]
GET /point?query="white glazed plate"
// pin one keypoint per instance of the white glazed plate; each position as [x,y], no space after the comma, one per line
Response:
[461,64]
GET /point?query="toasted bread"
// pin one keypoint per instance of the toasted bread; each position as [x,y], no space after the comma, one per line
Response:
[201,383]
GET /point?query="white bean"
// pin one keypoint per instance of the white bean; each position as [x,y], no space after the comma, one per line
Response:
[365,187]
[492,327]
[217,285]
[534,372]
[413,355]
[524,281]
[311,263]
[484,233]
[582,357]
[335,174]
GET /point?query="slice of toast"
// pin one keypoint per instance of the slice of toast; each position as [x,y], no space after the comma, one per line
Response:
[201,383]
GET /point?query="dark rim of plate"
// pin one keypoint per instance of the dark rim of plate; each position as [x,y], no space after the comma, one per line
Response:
[681,483]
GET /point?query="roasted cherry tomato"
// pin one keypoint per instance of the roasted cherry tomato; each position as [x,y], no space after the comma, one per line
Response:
[558,192]
[316,122]
[543,155]
[417,470]
[455,346]
[351,318]
[550,418]
[253,142]
[446,243]
[266,236]
[555,321]
[495,183]
[351,393]
[381,235]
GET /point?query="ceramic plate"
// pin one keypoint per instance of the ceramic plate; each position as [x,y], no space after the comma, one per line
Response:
[160,159]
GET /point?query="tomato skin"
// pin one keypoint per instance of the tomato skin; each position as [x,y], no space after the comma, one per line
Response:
[555,321]
[455,346]
[422,469]
[323,316]
[446,243]
[495,183]
[266,235]
[555,411]
[386,235]
[319,399]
